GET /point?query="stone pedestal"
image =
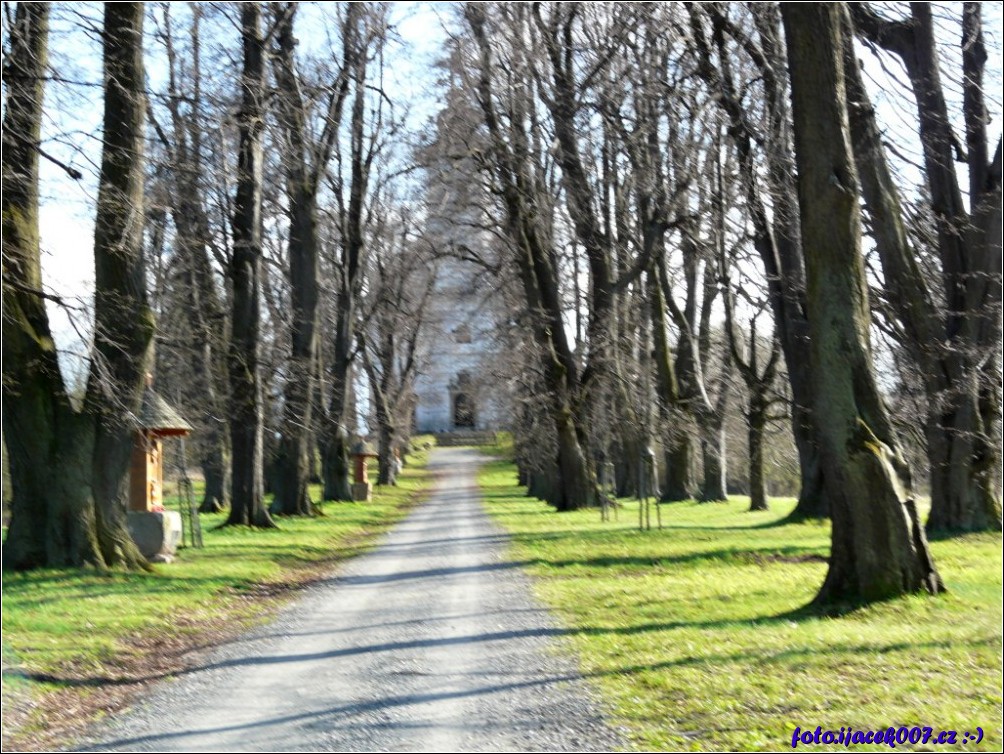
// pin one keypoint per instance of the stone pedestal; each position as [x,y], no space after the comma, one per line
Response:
[361,492]
[156,533]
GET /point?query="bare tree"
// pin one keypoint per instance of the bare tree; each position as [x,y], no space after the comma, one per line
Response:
[770,199]
[52,515]
[305,161]
[515,162]
[201,354]
[879,549]
[363,39]
[123,322]
[400,289]
[247,506]
[950,322]
[759,375]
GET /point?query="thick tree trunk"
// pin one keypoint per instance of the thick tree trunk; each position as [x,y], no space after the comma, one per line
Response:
[48,445]
[964,495]
[713,453]
[60,460]
[963,450]
[292,497]
[247,505]
[336,474]
[812,502]
[878,544]
[123,322]
[678,481]
[306,160]
[335,465]
[576,487]
[387,467]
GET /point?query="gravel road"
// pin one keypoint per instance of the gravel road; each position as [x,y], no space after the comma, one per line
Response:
[431,642]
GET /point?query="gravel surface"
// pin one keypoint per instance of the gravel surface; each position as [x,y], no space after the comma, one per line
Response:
[431,642]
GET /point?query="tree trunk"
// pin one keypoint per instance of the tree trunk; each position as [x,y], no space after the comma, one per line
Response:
[962,463]
[678,483]
[123,322]
[335,465]
[679,475]
[247,505]
[291,494]
[387,473]
[576,487]
[52,515]
[878,544]
[757,423]
[336,473]
[214,470]
[306,160]
[962,446]
[713,453]
[61,461]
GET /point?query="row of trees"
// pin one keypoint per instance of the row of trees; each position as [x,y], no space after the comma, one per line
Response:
[676,197]
[260,302]
[657,163]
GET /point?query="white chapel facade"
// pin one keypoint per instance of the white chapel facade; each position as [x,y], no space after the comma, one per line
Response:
[457,388]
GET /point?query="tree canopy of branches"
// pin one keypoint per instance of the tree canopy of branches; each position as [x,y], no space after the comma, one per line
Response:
[692,214]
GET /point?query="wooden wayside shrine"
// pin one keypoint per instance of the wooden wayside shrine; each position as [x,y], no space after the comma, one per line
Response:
[156,420]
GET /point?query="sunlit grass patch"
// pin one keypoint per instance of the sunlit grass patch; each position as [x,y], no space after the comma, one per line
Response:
[696,637]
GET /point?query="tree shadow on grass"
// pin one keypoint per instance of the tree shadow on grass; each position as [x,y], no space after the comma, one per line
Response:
[729,556]
[791,616]
[331,716]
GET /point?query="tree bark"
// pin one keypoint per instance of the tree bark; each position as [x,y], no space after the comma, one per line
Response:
[878,544]
[713,452]
[678,483]
[306,160]
[337,427]
[757,421]
[247,505]
[291,468]
[49,445]
[123,322]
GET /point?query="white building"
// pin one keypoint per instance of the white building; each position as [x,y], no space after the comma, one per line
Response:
[455,389]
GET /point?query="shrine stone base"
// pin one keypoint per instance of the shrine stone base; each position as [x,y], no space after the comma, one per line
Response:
[156,533]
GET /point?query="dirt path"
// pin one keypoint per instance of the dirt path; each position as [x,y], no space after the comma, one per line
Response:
[430,642]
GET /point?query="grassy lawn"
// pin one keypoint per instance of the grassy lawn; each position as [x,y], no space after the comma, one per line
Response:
[694,637]
[70,637]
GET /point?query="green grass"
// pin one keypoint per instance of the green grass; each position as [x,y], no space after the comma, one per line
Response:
[75,629]
[695,638]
